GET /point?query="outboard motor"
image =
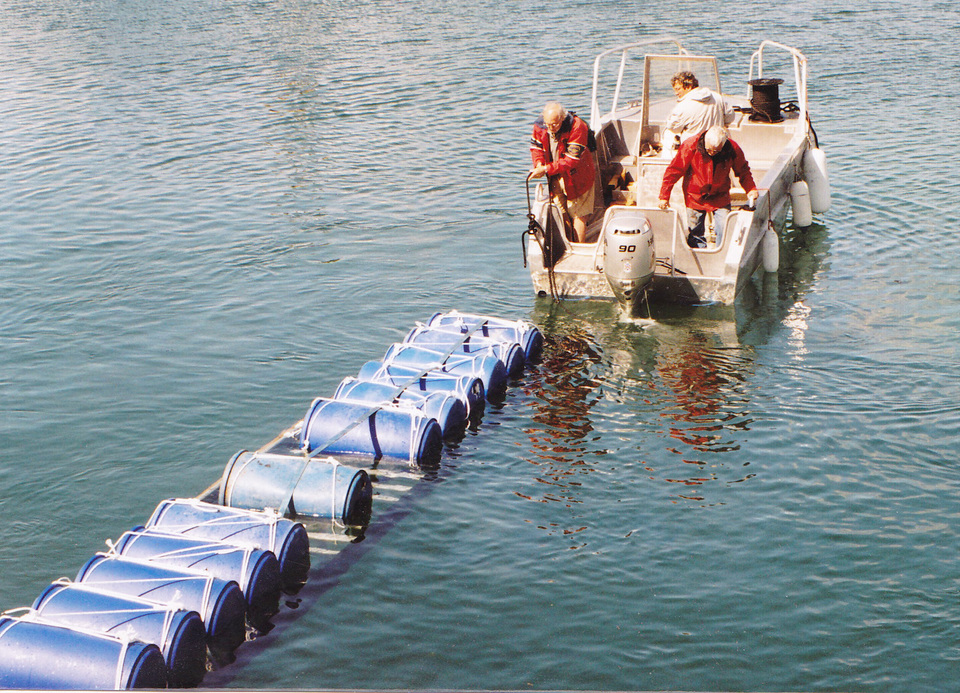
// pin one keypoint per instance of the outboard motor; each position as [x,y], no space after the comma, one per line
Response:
[628,254]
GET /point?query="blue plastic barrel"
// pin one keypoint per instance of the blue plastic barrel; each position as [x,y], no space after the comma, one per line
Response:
[324,488]
[245,528]
[220,603]
[178,633]
[331,426]
[256,571]
[36,655]
[489,368]
[509,352]
[450,410]
[526,334]
[468,387]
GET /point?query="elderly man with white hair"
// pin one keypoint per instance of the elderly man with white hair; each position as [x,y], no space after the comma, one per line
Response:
[704,163]
[561,150]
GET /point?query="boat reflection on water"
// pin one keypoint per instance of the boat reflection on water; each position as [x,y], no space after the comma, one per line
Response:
[665,400]
[563,392]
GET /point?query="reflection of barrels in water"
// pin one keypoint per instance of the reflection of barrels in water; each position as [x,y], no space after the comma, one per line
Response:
[245,528]
[220,603]
[46,656]
[765,100]
[178,633]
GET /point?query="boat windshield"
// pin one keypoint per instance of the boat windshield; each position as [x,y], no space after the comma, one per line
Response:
[659,98]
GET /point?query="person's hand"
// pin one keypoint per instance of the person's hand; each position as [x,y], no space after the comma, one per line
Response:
[537,171]
[663,204]
[752,197]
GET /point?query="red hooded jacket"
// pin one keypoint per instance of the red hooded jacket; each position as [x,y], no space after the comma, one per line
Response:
[575,162]
[706,179]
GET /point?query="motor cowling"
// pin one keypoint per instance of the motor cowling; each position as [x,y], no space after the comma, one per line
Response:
[628,253]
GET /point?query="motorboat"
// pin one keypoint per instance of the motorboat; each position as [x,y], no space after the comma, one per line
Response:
[635,251]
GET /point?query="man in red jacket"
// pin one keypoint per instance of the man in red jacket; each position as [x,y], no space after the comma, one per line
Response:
[704,162]
[560,148]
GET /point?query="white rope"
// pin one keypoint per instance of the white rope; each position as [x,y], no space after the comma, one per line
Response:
[411,453]
[11,624]
[243,570]
[205,598]
[333,491]
[123,655]
[233,520]
[33,617]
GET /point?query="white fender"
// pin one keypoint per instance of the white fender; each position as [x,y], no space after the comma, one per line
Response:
[815,173]
[800,199]
[770,251]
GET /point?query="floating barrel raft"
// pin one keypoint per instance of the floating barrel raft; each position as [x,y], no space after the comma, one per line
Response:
[175,597]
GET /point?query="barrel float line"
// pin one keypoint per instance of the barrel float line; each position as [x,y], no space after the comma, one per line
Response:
[248,528]
[220,603]
[317,487]
[256,571]
[200,570]
[467,387]
[448,408]
[179,633]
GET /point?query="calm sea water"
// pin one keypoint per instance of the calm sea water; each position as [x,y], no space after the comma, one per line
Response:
[212,212]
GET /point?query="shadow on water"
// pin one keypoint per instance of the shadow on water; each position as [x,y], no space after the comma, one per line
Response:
[671,395]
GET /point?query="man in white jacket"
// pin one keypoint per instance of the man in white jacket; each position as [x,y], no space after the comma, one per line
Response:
[697,109]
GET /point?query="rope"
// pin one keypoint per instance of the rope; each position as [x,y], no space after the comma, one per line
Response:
[194,551]
[32,617]
[239,517]
[546,252]
[176,603]
[118,679]
[333,492]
